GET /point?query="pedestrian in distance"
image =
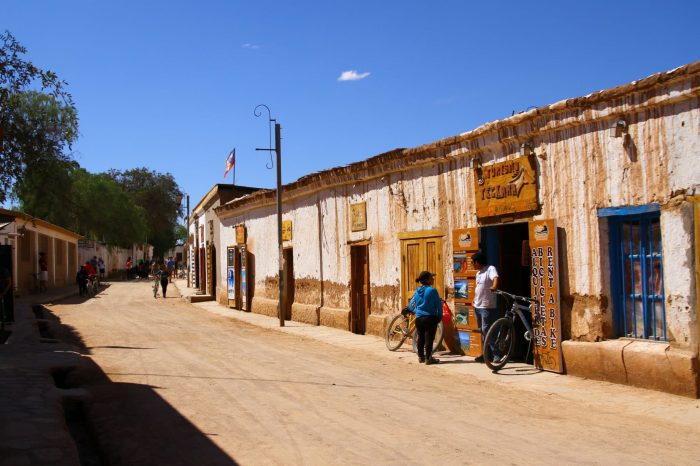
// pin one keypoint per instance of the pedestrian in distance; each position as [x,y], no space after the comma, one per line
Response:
[427,305]
[81,279]
[484,300]
[171,267]
[101,267]
[164,278]
[43,272]
[128,266]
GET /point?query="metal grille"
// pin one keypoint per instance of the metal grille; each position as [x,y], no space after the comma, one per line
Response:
[637,267]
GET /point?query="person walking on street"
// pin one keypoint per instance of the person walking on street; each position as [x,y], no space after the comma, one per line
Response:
[484,300]
[101,267]
[427,305]
[164,277]
[171,267]
[43,272]
[81,278]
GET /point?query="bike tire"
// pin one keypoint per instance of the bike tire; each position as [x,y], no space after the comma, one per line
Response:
[396,332]
[439,336]
[502,336]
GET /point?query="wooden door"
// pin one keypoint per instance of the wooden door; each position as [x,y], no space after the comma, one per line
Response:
[288,282]
[359,288]
[418,254]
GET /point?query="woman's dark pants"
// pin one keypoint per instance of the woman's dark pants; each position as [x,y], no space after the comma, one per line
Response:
[426,327]
[164,285]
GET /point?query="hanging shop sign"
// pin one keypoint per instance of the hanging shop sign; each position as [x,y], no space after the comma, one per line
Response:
[201,234]
[546,315]
[240,234]
[358,216]
[506,188]
[287,230]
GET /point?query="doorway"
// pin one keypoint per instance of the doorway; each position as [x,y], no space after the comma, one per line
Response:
[507,248]
[288,282]
[420,251]
[212,272]
[359,288]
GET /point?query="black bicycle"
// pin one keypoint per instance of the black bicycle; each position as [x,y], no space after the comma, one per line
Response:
[500,339]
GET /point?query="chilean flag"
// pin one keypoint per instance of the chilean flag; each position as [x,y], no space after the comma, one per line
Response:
[230,161]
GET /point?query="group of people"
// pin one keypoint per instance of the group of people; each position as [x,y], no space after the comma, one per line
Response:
[142,268]
[93,270]
[162,272]
[427,306]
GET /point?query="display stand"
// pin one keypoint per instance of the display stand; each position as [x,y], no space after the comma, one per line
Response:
[465,242]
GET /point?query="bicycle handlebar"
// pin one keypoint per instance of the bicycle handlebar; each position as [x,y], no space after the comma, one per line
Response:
[514,297]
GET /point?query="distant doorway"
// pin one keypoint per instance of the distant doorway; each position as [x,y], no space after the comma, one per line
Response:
[359,288]
[288,282]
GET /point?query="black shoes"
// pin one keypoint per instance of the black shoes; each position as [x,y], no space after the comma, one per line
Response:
[479,359]
[432,361]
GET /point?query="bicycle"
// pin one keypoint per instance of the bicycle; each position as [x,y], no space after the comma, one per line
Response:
[404,325]
[93,285]
[501,335]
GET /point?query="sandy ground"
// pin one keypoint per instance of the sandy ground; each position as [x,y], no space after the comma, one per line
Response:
[175,384]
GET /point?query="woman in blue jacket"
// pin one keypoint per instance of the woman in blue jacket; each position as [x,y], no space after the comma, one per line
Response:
[427,305]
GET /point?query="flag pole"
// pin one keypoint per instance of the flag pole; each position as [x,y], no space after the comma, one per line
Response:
[234,166]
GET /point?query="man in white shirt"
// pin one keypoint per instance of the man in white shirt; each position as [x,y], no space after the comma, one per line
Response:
[484,300]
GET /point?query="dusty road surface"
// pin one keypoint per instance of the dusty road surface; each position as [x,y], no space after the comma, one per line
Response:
[173,384]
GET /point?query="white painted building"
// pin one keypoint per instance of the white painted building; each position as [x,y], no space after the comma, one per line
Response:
[616,171]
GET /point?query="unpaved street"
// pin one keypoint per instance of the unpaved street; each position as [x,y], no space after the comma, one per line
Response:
[175,384]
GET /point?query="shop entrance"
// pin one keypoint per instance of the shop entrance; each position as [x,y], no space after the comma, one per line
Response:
[359,288]
[507,248]
[288,282]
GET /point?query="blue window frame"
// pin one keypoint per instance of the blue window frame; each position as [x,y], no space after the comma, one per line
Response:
[636,267]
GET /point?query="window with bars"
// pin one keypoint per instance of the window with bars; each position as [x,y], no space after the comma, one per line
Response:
[636,266]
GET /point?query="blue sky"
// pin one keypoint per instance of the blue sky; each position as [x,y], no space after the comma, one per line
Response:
[171,85]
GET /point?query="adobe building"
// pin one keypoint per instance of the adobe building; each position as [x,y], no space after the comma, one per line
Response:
[28,237]
[203,238]
[590,204]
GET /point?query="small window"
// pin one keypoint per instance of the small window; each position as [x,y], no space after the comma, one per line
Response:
[637,275]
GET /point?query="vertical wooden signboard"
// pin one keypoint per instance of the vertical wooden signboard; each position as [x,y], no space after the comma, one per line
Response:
[546,316]
[231,275]
[465,242]
[244,279]
[193,267]
[209,271]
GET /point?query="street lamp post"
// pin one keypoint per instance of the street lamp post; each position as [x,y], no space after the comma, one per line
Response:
[278,152]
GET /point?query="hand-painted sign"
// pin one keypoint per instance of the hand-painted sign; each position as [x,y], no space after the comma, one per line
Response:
[506,187]
[240,234]
[358,216]
[546,315]
[286,230]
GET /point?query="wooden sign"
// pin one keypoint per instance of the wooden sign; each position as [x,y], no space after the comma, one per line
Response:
[358,216]
[465,239]
[546,314]
[506,187]
[240,234]
[286,230]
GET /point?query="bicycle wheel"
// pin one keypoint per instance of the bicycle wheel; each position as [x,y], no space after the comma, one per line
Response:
[155,289]
[439,335]
[501,336]
[396,332]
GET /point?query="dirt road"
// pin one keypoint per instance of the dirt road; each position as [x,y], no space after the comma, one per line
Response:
[179,385]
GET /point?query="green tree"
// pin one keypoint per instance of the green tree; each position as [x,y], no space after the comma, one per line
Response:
[35,127]
[157,194]
[104,212]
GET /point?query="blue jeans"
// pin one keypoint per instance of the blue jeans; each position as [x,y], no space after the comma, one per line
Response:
[484,319]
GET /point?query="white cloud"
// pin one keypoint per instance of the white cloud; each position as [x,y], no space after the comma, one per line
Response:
[250,46]
[352,75]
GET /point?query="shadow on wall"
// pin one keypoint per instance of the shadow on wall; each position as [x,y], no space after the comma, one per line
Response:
[128,423]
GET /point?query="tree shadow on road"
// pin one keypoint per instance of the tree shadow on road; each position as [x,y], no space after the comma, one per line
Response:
[131,424]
